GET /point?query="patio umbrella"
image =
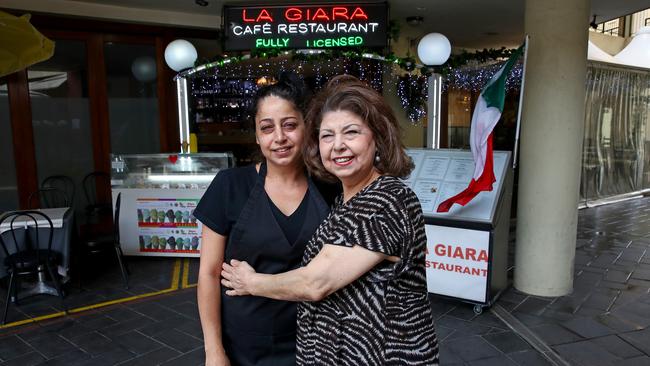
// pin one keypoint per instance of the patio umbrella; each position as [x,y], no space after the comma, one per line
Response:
[21,45]
[637,52]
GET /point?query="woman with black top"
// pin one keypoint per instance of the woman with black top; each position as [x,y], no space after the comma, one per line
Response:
[362,282]
[264,214]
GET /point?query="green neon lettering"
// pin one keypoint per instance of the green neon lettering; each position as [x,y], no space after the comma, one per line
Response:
[272,43]
[330,42]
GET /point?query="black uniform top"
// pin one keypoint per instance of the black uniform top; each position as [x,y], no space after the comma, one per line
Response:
[258,331]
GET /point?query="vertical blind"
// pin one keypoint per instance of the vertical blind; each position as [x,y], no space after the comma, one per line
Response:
[616,149]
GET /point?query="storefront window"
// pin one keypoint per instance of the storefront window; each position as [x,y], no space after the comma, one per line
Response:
[8,188]
[459,118]
[132,100]
[58,90]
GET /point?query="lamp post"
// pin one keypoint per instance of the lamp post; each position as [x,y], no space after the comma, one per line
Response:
[434,49]
[181,54]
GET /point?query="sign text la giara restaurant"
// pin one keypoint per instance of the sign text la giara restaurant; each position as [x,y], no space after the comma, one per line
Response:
[457,262]
[306,26]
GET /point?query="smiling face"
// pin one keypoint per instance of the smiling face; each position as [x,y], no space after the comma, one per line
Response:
[347,147]
[279,131]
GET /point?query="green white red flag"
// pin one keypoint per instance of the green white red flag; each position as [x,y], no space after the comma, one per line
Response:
[486,115]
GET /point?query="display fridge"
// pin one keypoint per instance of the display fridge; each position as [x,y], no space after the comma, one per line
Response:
[158,195]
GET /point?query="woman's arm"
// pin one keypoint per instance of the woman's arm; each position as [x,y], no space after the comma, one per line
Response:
[333,268]
[209,296]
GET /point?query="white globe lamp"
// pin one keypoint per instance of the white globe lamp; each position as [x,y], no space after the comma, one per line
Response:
[180,54]
[434,49]
[144,69]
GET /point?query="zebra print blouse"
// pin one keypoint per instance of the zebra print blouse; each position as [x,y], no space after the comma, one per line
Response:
[384,317]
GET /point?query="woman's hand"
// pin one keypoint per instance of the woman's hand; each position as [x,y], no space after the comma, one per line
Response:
[238,277]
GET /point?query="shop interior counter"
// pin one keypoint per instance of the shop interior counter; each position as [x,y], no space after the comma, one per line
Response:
[159,194]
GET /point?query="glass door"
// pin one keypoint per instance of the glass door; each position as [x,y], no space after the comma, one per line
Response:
[132,98]
[58,89]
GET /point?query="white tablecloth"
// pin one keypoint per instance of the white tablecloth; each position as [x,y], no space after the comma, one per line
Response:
[62,221]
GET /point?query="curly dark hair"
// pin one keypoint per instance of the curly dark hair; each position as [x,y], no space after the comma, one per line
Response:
[347,93]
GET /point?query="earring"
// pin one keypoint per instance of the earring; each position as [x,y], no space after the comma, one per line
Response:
[377,159]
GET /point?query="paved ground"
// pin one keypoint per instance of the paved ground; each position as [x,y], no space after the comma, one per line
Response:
[603,322]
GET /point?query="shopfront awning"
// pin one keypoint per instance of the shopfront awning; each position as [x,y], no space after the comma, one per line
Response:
[21,45]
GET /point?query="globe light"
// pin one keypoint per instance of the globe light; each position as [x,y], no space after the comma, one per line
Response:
[144,69]
[180,54]
[637,52]
[434,49]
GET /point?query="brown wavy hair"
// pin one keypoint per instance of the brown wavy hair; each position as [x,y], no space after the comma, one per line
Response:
[347,93]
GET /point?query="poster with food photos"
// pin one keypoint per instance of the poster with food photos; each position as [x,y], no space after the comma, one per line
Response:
[167,225]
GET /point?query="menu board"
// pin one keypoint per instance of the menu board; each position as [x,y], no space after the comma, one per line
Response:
[441,174]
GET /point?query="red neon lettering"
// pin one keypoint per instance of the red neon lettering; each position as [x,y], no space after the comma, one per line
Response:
[358,13]
[264,15]
[293,14]
[243,16]
[339,12]
[320,15]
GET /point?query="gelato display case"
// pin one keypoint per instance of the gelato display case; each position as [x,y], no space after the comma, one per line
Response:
[159,194]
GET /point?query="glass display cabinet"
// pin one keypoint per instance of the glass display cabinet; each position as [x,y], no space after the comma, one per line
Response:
[159,194]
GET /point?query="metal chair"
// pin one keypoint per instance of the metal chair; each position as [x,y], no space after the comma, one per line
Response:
[89,184]
[62,182]
[103,243]
[49,197]
[28,257]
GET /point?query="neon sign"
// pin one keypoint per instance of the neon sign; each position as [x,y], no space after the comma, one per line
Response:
[305,26]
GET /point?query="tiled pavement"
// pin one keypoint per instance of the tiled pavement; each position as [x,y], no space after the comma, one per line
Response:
[102,283]
[603,322]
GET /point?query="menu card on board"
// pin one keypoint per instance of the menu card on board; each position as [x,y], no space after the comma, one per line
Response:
[441,174]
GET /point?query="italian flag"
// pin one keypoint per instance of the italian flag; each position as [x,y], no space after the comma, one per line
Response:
[486,115]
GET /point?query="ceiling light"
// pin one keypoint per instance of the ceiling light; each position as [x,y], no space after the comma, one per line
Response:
[414,20]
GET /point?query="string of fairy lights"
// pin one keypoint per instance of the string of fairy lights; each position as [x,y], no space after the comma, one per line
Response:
[390,75]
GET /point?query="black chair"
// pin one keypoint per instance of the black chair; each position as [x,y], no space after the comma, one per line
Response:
[104,243]
[27,257]
[89,184]
[49,197]
[62,182]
